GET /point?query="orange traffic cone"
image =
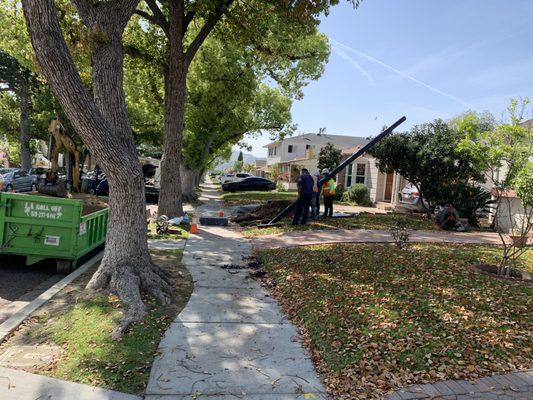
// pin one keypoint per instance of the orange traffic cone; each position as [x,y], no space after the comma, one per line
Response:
[194,229]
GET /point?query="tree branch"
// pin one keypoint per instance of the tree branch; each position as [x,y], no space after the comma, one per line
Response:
[187,19]
[158,17]
[206,30]
[85,10]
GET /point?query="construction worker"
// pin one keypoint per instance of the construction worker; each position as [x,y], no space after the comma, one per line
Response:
[305,192]
[328,191]
[315,198]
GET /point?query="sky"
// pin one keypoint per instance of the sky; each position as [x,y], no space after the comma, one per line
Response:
[424,59]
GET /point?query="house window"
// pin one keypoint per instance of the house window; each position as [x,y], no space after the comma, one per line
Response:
[291,149]
[360,173]
[349,172]
[269,151]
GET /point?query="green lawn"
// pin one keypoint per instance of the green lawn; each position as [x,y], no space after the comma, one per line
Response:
[362,221]
[239,198]
[80,322]
[176,232]
[377,318]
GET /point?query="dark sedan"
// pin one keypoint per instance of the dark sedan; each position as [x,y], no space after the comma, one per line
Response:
[253,183]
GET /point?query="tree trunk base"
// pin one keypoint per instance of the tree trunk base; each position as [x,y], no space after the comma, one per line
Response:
[128,281]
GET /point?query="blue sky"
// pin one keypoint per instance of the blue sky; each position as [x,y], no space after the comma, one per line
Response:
[424,59]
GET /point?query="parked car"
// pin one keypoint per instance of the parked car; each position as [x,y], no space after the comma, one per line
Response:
[410,198]
[18,180]
[95,182]
[239,176]
[38,173]
[250,183]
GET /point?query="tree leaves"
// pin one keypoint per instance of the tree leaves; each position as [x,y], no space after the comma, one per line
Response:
[376,318]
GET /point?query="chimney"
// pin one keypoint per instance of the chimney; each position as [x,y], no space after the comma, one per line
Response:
[321,131]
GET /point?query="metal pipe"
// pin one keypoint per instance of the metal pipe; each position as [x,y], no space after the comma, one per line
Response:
[344,164]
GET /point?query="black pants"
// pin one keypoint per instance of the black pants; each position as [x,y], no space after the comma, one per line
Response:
[328,206]
[302,209]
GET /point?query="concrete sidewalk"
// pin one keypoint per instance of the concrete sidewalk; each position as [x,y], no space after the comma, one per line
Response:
[306,238]
[20,385]
[231,340]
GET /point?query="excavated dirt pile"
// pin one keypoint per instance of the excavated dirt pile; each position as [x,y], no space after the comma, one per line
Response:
[257,214]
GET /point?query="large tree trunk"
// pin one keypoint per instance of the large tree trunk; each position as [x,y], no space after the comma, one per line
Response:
[190,179]
[24,98]
[170,196]
[103,125]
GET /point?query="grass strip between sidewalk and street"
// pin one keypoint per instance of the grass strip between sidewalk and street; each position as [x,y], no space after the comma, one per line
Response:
[80,323]
[378,318]
[175,232]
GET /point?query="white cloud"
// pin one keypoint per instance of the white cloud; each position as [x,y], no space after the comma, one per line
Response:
[403,74]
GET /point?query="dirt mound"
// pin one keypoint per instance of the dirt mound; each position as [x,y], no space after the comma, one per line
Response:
[262,214]
[90,203]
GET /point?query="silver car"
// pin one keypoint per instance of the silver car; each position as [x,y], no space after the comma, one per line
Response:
[17,180]
[410,198]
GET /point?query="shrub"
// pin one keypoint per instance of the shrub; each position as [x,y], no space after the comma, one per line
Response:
[359,194]
[280,187]
[339,191]
[399,233]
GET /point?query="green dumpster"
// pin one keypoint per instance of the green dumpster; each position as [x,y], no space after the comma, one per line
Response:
[40,227]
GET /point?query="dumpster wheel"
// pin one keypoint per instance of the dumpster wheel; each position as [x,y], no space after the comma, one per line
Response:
[63,266]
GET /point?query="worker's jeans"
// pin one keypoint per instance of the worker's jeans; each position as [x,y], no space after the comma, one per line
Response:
[302,209]
[328,206]
[315,205]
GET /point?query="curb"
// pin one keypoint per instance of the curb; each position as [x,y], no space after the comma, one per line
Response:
[16,319]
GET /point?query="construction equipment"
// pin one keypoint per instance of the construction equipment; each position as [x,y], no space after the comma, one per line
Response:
[61,141]
[339,168]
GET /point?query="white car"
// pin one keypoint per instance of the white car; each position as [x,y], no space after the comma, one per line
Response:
[239,176]
[410,198]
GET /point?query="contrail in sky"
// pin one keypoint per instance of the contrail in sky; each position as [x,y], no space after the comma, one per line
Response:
[403,74]
[340,52]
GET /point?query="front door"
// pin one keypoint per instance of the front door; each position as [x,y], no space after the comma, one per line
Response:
[388,186]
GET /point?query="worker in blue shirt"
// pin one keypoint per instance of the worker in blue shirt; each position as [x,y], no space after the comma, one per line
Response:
[305,193]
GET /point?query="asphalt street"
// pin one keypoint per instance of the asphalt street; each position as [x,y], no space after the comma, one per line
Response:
[20,284]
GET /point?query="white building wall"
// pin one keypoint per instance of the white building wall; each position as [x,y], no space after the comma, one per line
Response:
[511,215]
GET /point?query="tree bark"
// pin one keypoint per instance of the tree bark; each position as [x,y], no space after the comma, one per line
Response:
[24,98]
[190,180]
[170,194]
[103,125]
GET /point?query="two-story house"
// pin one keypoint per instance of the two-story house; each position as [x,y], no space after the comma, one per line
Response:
[296,152]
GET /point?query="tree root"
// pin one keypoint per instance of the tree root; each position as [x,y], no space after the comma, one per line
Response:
[127,281]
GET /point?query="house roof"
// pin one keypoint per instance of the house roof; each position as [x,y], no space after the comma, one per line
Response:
[528,124]
[341,141]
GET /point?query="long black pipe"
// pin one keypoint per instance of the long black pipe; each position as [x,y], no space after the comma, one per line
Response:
[344,164]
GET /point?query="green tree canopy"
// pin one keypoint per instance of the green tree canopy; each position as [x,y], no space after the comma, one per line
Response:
[427,156]
[329,157]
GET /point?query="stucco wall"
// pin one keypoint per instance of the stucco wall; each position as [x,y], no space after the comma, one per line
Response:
[511,215]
